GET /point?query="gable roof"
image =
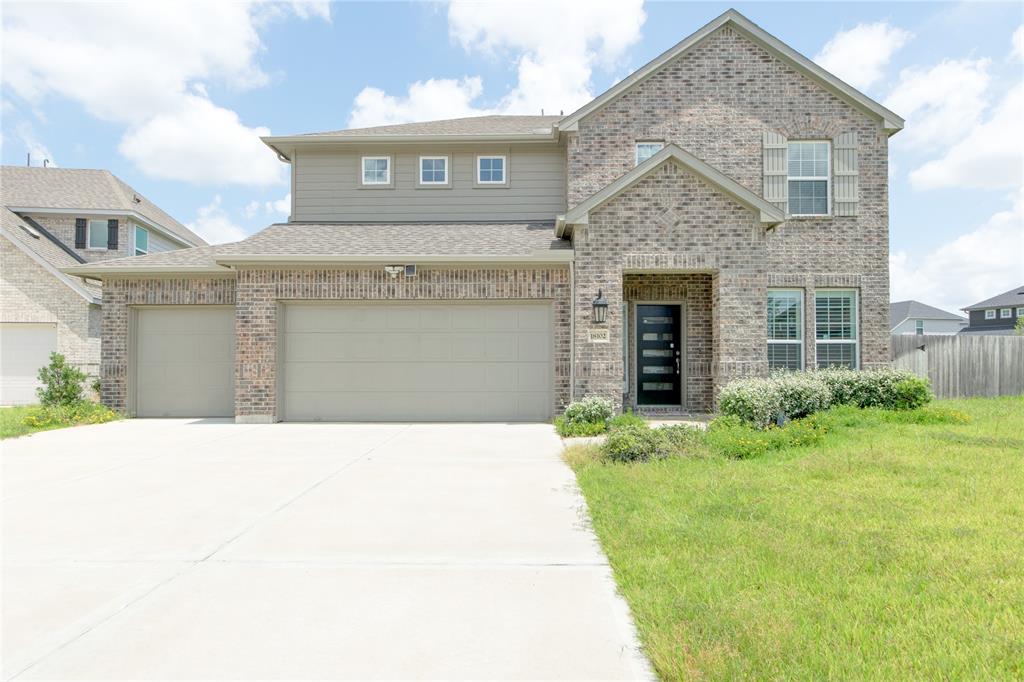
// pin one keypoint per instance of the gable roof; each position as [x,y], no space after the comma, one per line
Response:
[1011,298]
[470,125]
[63,190]
[769,214]
[905,310]
[45,252]
[891,122]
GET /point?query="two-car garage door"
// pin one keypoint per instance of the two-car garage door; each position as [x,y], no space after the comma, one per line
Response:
[416,362]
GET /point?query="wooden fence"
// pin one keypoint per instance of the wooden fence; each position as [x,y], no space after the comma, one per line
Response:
[963,366]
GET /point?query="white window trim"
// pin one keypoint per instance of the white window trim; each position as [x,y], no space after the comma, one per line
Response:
[856,325]
[636,149]
[919,327]
[362,171]
[1020,312]
[88,234]
[990,314]
[434,183]
[1005,313]
[800,324]
[504,169]
[135,241]
[827,178]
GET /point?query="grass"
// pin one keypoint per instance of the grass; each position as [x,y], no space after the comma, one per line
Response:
[25,419]
[893,549]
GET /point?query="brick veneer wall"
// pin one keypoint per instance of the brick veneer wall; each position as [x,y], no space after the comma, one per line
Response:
[120,294]
[716,101]
[63,228]
[261,290]
[30,293]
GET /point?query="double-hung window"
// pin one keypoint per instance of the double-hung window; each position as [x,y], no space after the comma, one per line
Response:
[809,178]
[1020,312]
[990,314]
[376,170]
[919,327]
[98,234]
[835,328]
[1005,313]
[433,170]
[141,241]
[490,170]
[645,150]
[785,329]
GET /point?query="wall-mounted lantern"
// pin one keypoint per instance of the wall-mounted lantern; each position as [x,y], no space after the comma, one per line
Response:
[600,308]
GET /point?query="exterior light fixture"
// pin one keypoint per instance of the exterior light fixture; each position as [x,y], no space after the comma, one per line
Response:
[600,308]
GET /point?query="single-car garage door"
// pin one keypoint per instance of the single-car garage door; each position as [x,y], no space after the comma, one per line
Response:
[24,349]
[184,363]
[417,362]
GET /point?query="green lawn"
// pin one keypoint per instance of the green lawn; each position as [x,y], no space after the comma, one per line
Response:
[12,422]
[891,551]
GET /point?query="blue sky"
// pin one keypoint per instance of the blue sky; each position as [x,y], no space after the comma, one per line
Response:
[171,97]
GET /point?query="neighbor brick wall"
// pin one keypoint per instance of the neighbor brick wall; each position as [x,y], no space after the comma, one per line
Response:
[29,293]
[716,101]
[63,228]
[260,290]
[118,297]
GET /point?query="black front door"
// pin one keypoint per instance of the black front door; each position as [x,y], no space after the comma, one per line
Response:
[658,355]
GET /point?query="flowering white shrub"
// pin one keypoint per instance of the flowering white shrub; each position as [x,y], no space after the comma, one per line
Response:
[756,400]
[592,410]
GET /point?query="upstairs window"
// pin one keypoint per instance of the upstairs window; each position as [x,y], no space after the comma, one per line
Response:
[433,170]
[141,241]
[645,150]
[990,314]
[98,234]
[785,329]
[490,170]
[835,328]
[809,178]
[919,327]
[1005,313]
[376,170]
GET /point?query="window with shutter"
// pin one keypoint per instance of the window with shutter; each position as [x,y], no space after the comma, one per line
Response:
[845,172]
[80,228]
[776,169]
[112,235]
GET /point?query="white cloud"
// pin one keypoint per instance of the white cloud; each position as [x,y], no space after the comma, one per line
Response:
[554,45]
[970,268]
[282,206]
[200,142]
[941,103]
[991,156]
[140,64]
[38,151]
[859,56]
[251,209]
[1017,51]
[213,224]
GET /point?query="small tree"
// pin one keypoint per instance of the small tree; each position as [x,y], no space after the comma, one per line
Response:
[1019,327]
[62,383]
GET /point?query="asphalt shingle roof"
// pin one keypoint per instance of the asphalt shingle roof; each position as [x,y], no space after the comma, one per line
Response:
[82,188]
[901,310]
[1011,298]
[473,125]
[26,236]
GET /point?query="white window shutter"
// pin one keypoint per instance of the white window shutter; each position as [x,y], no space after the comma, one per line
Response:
[776,169]
[844,172]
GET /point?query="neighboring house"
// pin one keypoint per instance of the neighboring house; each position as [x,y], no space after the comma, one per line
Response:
[720,212]
[996,316]
[914,317]
[55,218]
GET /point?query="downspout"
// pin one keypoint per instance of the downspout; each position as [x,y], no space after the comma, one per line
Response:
[572,331]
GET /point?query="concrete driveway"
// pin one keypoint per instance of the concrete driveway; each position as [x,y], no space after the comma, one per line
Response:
[186,549]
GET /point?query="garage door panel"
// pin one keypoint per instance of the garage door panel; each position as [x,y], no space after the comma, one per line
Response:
[24,349]
[422,362]
[184,362]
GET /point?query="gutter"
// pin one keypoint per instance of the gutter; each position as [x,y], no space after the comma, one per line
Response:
[561,256]
[98,271]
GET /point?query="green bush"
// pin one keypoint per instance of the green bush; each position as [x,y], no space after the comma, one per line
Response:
[683,440]
[625,419]
[732,437]
[82,412]
[592,410]
[62,383]
[634,443]
[911,393]
[568,429]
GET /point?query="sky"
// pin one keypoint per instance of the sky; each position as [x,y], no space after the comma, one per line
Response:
[172,97]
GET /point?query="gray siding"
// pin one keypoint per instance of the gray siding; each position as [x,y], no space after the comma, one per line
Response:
[327,185]
[159,244]
[931,327]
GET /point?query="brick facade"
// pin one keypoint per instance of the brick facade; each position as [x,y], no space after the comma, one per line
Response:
[32,294]
[672,222]
[63,228]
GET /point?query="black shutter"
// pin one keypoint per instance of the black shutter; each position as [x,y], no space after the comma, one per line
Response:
[112,234]
[79,233]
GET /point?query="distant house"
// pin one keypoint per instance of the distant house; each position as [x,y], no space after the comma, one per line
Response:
[53,218]
[996,315]
[914,317]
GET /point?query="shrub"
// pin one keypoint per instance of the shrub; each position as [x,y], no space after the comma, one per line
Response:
[568,429]
[801,393]
[625,419]
[911,393]
[683,441]
[754,400]
[82,412]
[62,383]
[590,410]
[634,443]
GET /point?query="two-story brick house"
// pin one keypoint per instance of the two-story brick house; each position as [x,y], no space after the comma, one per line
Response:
[53,218]
[720,212]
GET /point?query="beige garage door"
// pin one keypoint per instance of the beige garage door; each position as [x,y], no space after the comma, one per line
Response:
[184,363]
[417,362]
[24,349]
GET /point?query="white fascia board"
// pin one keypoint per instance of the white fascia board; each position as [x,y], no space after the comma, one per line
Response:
[97,271]
[59,273]
[563,256]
